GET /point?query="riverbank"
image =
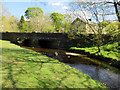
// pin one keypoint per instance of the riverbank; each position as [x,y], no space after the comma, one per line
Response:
[109,53]
[23,68]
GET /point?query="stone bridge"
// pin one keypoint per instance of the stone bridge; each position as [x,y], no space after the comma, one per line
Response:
[50,40]
[43,40]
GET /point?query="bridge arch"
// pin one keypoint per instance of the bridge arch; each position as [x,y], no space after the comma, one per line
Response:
[54,44]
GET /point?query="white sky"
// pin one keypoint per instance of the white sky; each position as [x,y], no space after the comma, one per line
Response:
[52,0]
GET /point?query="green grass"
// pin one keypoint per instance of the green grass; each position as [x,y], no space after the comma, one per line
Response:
[23,68]
[108,50]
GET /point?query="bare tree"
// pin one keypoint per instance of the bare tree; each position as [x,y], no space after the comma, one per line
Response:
[116,4]
[94,10]
[4,11]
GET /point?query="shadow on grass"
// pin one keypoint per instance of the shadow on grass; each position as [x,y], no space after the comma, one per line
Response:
[27,56]
[22,65]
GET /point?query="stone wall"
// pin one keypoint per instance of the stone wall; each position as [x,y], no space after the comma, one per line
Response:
[58,40]
[55,40]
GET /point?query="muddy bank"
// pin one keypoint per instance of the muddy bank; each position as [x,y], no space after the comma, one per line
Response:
[110,61]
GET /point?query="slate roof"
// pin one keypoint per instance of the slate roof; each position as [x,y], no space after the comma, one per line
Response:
[82,20]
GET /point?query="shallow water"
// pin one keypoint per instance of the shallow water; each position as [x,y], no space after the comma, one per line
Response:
[98,70]
[106,76]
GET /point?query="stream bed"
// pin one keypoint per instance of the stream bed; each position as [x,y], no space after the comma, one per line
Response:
[98,70]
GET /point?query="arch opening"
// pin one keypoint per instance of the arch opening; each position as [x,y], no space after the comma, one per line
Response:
[26,42]
[53,44]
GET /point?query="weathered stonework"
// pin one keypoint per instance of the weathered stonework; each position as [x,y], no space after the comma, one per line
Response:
[55,40]
[51,40]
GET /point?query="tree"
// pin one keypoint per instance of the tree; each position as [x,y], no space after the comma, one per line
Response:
[13,24]
[117,8]
[58,19]
[66,26]
[66,23]
[4,15]
[4,11]
[39,24]
[33,11]
[4,23]
[22,20]
[95,10]
[104,24]
[113,30]
[23,25]
[116,4]
[7,22]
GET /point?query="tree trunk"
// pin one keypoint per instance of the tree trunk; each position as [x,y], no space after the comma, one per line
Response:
[116,10]
[119,34]
[99,48]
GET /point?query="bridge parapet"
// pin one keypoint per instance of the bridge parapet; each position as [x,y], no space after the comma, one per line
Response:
[34,39]
[34,35]
[57,40]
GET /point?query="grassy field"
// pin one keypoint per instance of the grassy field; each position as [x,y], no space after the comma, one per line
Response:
[23,68]
[108,50]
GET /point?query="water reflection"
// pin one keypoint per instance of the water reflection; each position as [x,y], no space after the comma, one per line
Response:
[106,76]
[97,70]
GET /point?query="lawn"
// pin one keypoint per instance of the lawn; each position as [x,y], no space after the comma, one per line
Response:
[107,50]
[23,68]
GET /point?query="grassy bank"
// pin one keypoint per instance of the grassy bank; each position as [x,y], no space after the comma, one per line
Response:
[23,68]
[108,50]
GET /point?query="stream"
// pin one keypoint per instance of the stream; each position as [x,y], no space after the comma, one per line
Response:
[97,70]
